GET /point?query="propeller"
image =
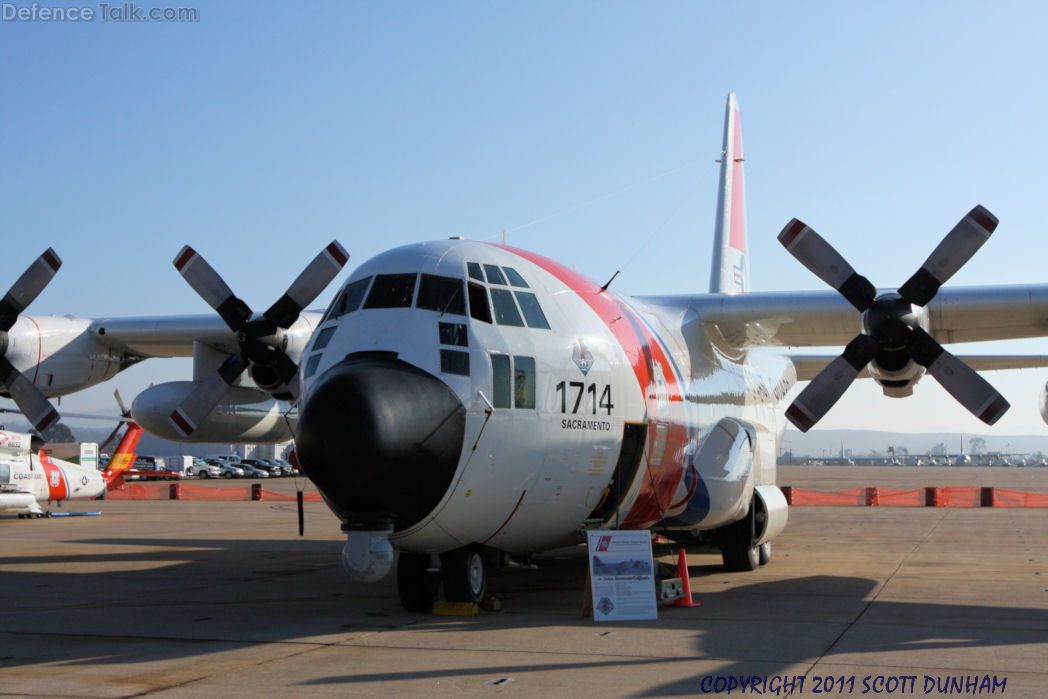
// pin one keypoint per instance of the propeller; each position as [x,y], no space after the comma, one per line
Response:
[892,332]
[124,413]
[260,340]
[31,402]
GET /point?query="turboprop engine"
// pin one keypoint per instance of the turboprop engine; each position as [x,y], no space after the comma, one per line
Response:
[244,415]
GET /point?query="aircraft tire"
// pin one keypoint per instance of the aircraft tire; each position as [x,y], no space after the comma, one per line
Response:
[739,556]
[464,575]
[416,587]
[765,553]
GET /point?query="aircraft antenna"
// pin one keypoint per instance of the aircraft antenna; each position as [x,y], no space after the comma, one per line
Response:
[608,283]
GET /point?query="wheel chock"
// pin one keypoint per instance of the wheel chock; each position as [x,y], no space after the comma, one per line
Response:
[491,604]
[455,609]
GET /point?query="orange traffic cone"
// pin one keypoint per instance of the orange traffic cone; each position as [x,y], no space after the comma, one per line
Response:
[682,572]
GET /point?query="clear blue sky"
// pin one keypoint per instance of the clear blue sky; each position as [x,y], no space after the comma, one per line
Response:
[264,130]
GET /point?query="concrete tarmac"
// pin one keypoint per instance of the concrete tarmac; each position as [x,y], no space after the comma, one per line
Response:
[224,598]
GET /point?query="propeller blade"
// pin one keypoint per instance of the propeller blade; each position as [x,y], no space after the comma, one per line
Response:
[211,287]
[812,251]
[27,397]
[124,412]
[28,287]
[949,256]
[961,381]
[305,289]
[112,435]
[198,405]
[830,384]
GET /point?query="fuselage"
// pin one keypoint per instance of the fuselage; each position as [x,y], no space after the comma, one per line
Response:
[28,476]
[464,392]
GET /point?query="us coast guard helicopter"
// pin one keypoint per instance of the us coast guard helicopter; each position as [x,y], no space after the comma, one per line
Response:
[462,400]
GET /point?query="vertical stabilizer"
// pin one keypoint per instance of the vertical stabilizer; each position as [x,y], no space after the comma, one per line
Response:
[731,272]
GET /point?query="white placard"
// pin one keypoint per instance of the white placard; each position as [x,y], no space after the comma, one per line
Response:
[622,575]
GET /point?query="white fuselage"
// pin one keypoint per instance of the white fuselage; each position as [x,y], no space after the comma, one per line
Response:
[604,416]
[28,477]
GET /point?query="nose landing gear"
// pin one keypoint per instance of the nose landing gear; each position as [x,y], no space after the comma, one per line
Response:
[461,571]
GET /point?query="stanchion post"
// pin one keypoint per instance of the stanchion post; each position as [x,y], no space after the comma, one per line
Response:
[256,491]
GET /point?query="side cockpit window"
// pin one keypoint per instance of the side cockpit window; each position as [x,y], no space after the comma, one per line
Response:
[391,291]
[529,306]
[348,299]
[478,303]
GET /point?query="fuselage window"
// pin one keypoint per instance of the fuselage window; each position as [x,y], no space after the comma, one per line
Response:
[454,362]
[529,306]
[524,382]
[391,291]
[474,271]
[453,334]
[324,337]
[312,363]
[506,312]
[478,303]
[494,275]
[348,300]
[442,294]
[514,277]
[500,380]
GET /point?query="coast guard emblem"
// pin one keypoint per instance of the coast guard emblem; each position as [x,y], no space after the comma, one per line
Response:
[582,357]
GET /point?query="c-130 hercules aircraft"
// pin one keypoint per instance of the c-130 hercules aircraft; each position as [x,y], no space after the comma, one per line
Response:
[461,400]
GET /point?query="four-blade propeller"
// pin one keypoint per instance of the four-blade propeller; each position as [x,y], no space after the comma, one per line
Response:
[30,400]
[260,339]
[891,326]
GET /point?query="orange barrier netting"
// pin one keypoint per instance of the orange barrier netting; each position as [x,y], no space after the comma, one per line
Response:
[188,491]
[945,496]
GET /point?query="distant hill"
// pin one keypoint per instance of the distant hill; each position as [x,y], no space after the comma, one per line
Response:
[818,443]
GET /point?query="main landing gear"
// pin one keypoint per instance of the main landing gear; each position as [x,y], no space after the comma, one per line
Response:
[461,572]
[738,550]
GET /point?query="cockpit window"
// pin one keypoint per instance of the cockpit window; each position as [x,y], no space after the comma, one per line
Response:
[524,382]
[474,271]
[529,305]
[442,294]
[391,291]
[494,275]
[478,303]
[348,300]
[514,277]
[324,337]
[505,309]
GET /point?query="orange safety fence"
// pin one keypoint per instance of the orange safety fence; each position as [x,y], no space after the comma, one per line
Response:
[935,496]
[188,491]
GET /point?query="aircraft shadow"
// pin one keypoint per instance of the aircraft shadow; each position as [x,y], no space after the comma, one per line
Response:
[220,594]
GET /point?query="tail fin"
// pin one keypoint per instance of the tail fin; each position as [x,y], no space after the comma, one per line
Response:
[731,270]
[124,457]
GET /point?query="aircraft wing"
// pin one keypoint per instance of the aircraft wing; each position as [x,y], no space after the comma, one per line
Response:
[825,318]
[808,366]
[174,336]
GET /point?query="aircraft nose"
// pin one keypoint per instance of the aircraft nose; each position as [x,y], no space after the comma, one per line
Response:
[380,438]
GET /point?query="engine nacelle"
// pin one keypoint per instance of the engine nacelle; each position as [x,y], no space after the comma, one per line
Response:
[898,380]
[244,415]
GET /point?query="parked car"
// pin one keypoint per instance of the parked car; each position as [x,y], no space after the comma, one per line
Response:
[287,468]
[202,469]
[227,469]
[272,469]
[252,471]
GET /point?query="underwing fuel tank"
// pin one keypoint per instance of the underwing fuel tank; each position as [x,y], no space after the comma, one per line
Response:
[244,415]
